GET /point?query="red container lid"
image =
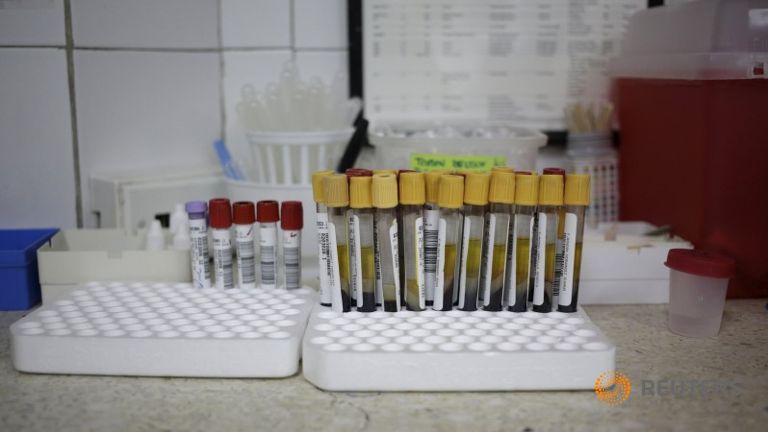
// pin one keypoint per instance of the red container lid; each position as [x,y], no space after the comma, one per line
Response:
[358,172]
[220,213]
[293,215]
[554,171]
[701,263]
[243,212]
[267,211]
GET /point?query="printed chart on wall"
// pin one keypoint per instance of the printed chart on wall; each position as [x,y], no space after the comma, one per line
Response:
[519,61]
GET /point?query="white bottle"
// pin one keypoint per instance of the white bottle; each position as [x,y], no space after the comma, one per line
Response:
[178,219]
[155,236]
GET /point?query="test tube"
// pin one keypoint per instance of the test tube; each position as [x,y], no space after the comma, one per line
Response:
[291,223]
[550,201]
[323,243]
[501,195]
[431,232]
[244,215]
[473,248]
[267,215]
[576,200]
[384,200]
[559,243]
[221,221]
[198,250]
[336,191]
[353,286]
[412,198]
[450,199]
[362,266]
[520,279]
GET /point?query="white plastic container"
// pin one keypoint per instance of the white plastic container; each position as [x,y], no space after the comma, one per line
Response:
[592,153]
[394,144]
[698,284]
[289,158]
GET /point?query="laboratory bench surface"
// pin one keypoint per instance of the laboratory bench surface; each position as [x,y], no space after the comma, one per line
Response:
[732,371]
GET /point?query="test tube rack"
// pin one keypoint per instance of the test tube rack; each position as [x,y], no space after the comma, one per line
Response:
[454,351]
[161,329]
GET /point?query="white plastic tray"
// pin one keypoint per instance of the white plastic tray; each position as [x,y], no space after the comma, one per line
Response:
[454,351]
[160,329]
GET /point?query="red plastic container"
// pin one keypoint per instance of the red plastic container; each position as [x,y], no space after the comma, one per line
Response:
[694,137]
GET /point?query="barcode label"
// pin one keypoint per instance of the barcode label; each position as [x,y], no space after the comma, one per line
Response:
[464,252]
[268,252]
[378,288]
[355,260]
[323,258]
[510,270]
[198,234]
[246,256]
[569,258]
[420,261]
[431,228]
[395,243]
[487,265]
[292,258]
[540,232]
[334,282]
[222,258]
[440,279]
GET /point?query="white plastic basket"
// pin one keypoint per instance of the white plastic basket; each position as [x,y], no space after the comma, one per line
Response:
[592,154]
[289,158]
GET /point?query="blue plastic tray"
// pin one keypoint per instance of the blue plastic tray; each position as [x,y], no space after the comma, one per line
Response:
[19,283]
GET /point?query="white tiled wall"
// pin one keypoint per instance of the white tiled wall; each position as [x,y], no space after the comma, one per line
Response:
[155,82]
[37,182]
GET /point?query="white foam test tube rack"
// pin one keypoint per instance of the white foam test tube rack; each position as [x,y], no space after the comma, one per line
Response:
[159,329]
[454,351]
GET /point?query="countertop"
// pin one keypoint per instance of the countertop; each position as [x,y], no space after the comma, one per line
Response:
[734,368]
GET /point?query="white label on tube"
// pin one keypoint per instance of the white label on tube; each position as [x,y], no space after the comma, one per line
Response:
[510,270]
[377,289]
[222,258]
[198,236]
[490,232]
[569,260]
[292,258]
[395,261]
[558,279]
[246,256]
[464,251]
[268,254]
[355,260]
[420,260]
[440,270]
[323,258]
[431,228]
[540,270]
[333,270]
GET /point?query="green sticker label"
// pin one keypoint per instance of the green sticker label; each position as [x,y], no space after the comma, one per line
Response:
[433,161]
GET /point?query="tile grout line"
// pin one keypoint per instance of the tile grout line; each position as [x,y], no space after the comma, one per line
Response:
[69,51]
[222,72]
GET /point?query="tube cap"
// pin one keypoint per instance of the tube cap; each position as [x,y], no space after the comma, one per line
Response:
[450,191]
[554,171]
[196,207]
[577,189]
[317,185]
[384,190]
[432,180]
[476,186]
[267,211]
[526,189]
[293,215]
[502,189]
[360,192]
[358,172]
[551,189]
[412,188]
[243,212]
[220,213]
[336,190]
[701,263]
